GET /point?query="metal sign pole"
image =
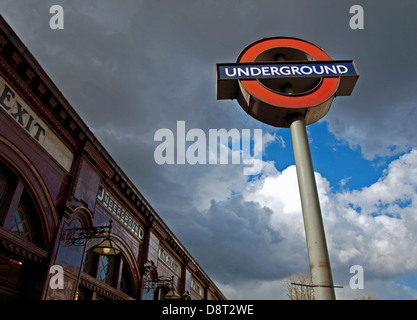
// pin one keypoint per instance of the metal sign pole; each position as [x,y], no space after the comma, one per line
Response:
[316,241]
[277,102]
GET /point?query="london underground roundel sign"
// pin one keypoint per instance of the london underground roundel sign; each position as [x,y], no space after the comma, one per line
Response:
[276,77]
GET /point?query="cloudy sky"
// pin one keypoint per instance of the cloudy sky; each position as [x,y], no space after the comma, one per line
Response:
[130,68]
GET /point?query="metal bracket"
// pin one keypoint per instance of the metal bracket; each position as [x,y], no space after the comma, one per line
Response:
[315,285]
[80,236]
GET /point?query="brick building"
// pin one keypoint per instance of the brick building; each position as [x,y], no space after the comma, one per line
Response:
[59,190]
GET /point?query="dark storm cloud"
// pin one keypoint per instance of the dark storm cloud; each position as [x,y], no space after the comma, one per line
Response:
[154,61]
[380,115]
[225,236]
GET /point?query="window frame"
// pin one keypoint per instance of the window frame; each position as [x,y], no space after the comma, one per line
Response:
[120,269]
[18,197]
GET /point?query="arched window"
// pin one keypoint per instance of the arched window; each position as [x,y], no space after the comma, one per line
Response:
[21,215]
[113,270]
[21,274]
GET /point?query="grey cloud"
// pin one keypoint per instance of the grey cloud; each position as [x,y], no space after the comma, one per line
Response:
[379,116]
[224,238]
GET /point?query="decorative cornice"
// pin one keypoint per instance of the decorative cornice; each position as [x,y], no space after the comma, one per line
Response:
[26,250]
[49,115]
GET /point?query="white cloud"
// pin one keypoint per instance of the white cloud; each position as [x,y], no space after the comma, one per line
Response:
[379,222]
[279,192]
[380,236]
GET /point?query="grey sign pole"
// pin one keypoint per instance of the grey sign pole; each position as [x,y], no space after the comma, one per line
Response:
[316,240]
[270,103]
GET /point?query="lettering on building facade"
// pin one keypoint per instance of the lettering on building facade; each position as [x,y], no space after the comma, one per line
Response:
[22,114]
[119,211]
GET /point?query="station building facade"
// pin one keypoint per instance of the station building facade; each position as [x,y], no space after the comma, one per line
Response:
[55,178]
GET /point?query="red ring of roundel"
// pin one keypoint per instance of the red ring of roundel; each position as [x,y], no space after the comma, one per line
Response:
[326,89]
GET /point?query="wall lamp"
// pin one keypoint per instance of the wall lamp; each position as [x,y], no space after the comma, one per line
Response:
[80,236]
[171,294]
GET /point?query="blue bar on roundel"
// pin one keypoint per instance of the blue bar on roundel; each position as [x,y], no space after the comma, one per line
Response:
[286,70]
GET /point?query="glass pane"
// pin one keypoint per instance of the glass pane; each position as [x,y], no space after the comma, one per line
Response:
[102,270]
[7,183]
[125,281]
[3,185]
[20,225]
[88,262]
[148,294]
[105,269]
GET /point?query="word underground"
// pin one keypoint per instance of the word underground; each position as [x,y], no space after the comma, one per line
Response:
[219,309]
[217,139]
[279,70]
